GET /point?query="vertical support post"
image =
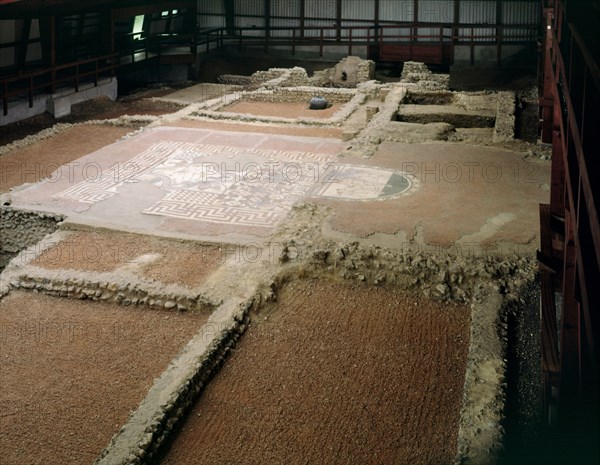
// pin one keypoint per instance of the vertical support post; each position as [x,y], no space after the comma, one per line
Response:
[23,44]
[472,48]
[52,21]
[455,27]
[229,16]
[5,99]
[376,30]
[30,91]
[570,363]
[548,85]
[302,17]
[321,44]
[350,41]
[77,77]
[338,19]
[414,31]
[498,32]
[267,14]
[557,180]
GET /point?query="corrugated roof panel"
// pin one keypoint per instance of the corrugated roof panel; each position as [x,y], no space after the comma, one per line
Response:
[211,21]
[356,33]
[285,8]
[249,7]
[287,23]
[477,12]
[479,34]
[320,9]
[328,23]
[396,34]
[521,12]
[358,9]
[211,6]
[436,11]
[396,10]
[250,22]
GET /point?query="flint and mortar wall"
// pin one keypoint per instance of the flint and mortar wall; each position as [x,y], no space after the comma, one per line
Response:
[20,229]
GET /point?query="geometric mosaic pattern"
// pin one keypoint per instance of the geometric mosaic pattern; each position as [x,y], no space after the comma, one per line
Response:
[231,185]
[206,182]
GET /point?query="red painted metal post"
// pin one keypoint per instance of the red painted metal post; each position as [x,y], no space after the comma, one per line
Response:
[472,48]
[5,99]
[321,44]
[30,91]
[548,90]
[350,39]
[570,362]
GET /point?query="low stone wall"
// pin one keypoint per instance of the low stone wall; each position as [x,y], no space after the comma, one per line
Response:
[101,288]
[419,73]
[282,77]
[366,142]
[301,94]
[351,97]
[20,229]
[118,286]
[174,392]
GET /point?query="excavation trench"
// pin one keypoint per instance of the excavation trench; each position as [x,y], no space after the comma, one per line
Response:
[458,109]
[358,346]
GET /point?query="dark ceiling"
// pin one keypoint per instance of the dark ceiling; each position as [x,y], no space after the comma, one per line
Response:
[36,8]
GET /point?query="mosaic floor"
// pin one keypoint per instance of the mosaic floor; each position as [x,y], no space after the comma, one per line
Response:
[200,181]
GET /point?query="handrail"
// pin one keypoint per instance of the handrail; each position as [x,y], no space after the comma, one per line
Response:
[587,56]
[570,119]
[573,127]
[109,64]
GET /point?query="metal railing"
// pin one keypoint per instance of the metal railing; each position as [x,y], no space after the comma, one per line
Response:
[353,36]
[51,78]
[571,230]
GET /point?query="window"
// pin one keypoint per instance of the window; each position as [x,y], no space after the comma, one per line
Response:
[138,27]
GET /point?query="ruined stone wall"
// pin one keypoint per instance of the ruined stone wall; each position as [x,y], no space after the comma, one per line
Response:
[281,77]
[504,129]
[20,229]
[175,407]
[418,73]
[300,95]
[348,73]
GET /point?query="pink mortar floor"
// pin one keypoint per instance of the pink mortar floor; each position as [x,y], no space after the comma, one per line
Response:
[235,187]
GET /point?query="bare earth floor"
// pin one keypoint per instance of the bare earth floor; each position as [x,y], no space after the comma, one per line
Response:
[335,373]
[163,260]
[71,371]
[39,160]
